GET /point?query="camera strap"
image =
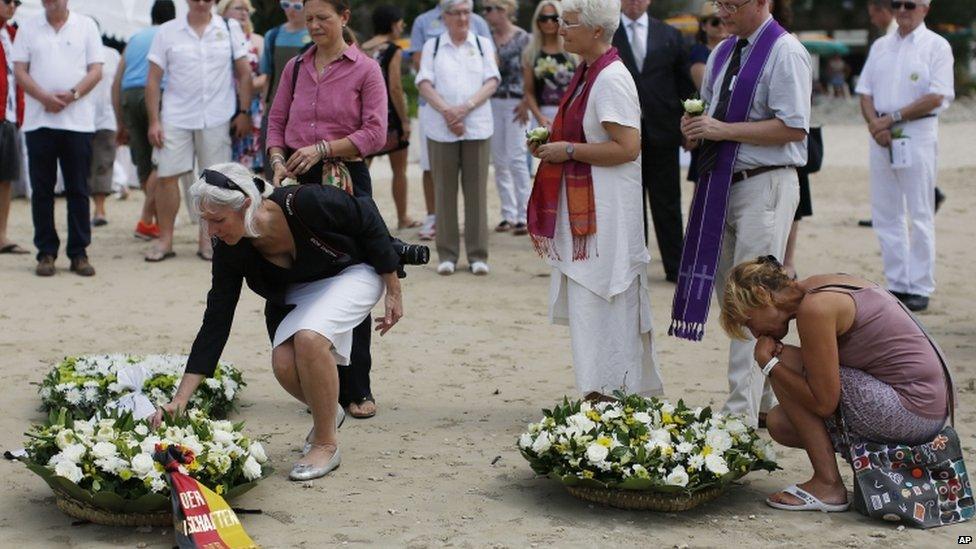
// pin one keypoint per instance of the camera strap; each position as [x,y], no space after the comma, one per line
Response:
[292,212]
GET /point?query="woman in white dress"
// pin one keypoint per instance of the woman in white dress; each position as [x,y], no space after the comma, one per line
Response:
[585,212]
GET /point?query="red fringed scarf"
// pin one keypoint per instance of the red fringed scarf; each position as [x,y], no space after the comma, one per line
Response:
[580,201]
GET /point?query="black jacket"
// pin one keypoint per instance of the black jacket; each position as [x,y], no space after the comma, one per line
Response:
[662,83]
[351,228]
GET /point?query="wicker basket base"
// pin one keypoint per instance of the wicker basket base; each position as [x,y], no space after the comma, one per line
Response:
[645,501]
[83,511]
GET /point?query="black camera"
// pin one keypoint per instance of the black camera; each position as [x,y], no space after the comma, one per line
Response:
[410,254]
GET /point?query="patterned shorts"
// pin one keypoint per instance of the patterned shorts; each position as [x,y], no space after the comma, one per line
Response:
[873,412]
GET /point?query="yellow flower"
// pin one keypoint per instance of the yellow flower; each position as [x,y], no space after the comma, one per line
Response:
[587,474]
[706,450]
[593,415]
[220,489]
[604,441]
[666,418]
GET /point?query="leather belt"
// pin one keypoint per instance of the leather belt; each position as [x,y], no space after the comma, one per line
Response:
[929,115]
[746,174]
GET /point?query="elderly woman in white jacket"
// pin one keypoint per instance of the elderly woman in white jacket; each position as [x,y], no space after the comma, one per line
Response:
[585,212]
[458,74]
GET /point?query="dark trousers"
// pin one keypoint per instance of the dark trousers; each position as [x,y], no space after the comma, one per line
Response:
[662,183]
[46,149]
[353,379]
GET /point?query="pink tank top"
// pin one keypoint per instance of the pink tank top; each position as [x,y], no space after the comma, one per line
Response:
[886,343]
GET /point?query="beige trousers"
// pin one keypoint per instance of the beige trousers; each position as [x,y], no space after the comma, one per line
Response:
[758,222]
[470,160]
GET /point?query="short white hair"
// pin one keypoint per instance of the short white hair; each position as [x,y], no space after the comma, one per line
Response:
[597,14]
[203,195]
[447,5]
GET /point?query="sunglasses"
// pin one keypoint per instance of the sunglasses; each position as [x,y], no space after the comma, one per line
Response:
[297,6]
[14,2]
[220,180]
[909,6]
[489,9]
[548,19]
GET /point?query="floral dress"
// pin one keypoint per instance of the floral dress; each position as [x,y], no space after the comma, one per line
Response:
[247,150]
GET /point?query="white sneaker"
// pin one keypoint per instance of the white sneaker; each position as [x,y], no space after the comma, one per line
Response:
[479,268]
[429,229]
[445,268]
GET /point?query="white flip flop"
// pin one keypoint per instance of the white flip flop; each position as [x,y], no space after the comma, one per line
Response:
[810,502]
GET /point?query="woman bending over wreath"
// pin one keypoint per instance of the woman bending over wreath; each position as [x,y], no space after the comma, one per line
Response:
[861,354]
[322,259]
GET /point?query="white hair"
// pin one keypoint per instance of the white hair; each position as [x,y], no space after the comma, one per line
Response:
[203,195]
[446,5]
[596,14]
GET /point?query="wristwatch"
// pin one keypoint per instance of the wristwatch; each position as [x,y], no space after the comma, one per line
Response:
[895,116]
[75,93]
[570,149]
[240,112]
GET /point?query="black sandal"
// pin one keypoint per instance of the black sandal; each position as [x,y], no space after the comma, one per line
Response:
[367,398]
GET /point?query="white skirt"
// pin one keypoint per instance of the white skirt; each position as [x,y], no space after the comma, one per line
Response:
[332,307]
[611,340]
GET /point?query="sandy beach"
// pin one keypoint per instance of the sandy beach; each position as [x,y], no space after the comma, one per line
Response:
[473,361]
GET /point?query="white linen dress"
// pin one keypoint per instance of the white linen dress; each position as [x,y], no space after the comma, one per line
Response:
[604,299]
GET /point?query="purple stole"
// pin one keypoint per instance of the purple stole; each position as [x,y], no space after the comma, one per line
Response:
[706,223]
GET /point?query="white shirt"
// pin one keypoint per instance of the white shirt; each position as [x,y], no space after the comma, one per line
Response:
[8,48]
[58,61]
[200,90]
[457,73]
[784,90]
[102,94]
[619,254]
[900,70]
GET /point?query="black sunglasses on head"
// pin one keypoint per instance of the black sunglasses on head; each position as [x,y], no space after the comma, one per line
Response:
[909,6]
[14,2]
[218,179]
[548,18]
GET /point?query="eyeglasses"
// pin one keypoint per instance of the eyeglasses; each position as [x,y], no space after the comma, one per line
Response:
[202,1]
[729,7]
[548,19]
[564,25]
[459,13]
[909,6]
[285,5]
[489,9]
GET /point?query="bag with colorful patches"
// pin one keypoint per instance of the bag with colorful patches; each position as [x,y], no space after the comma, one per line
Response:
[923,486]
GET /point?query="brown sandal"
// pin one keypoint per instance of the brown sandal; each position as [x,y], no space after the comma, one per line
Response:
[368,398]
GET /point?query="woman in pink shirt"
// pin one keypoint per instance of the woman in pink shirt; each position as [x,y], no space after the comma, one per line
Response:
[329,112]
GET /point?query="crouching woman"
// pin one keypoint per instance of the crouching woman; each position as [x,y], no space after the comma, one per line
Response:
[321,259]
[861,357]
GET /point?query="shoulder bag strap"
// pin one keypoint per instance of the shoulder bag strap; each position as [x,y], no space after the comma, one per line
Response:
[292,211]
[950,390]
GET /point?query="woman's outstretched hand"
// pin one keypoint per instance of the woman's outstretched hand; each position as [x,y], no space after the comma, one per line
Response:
[172,408]
[393,302]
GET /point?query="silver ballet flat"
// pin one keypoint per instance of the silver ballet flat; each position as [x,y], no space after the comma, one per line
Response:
[340,418]
[303,471]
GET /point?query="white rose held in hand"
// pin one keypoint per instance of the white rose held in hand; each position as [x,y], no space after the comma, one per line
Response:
[537,136]
[694,107]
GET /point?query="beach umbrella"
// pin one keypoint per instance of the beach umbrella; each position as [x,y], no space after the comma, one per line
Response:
[824,46]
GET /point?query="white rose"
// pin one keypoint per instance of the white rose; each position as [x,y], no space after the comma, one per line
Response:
[142,430]
[69,471]
[735,427]
[104,450]
[252,469]
[223,437]
[677,477]
[84,427]
[716,464]
[659,438]
[694,107]
[719,440]
[112,464]
[105,434]
[525,441]
[542,443]
[538,135]
[193,444]
[212,383]
[596,453]
[64,438]
[667,408]
[74,452]
[142,465]
[643,417]
[148,444]
[256,450]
